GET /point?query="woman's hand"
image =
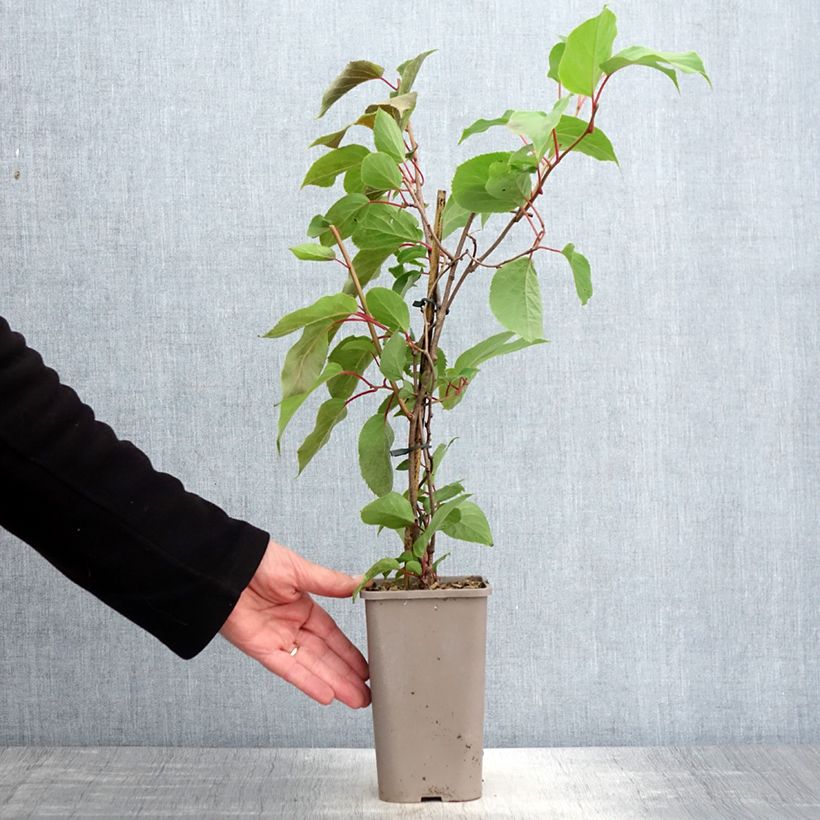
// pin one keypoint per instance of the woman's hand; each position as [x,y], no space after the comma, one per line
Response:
[275,615]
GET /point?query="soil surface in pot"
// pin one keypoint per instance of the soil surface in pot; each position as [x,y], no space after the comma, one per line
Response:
[384,585]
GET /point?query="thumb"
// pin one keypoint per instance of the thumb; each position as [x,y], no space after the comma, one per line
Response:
[321,580]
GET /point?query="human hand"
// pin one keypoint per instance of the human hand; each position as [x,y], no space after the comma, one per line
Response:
[275,613]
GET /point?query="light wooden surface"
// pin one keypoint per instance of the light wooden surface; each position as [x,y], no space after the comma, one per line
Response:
[687,782]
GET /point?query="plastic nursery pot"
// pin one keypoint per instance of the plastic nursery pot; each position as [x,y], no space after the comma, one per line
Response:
[426,650]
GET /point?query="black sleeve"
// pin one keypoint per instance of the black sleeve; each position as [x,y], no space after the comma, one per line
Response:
[95,508]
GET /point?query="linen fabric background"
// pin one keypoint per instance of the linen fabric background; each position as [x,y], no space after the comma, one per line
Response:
[650,475]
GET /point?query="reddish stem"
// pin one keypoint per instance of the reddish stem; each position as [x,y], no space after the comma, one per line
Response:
[365,393]
[358,376]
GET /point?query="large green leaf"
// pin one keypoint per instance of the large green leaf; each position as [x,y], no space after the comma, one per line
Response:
[367,264]
[312,252]
[392,510]
[487,184]
[353,353]
[409,69]
[586,47]
[515,299]
[324,171]
[345,214]
[436,522]
[289,406]
[595,145]
[325,309]
[375,440]
[580,273]
[304,361]
[468,523]
[387,136]
[664,61]
[395,357]
[386,227]
[330,414]
[380,172]
[389,308]
[353,74]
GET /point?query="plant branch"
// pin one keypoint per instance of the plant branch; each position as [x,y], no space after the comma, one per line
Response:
[373,335]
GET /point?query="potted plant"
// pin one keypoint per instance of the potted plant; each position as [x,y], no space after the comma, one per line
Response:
[426,632]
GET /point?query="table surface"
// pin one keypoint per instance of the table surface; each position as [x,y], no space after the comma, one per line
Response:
[619,782]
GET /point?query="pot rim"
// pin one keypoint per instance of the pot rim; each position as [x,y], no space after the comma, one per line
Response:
[400,594]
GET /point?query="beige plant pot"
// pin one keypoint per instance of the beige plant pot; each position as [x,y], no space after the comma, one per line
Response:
[426,650]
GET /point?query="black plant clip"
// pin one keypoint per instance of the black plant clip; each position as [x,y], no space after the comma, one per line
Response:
[420,303]
[404,451]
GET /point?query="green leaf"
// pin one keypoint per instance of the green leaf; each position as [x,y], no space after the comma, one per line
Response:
[486,349]
[304,361]
[438,455]
[436,521]
[664,61]
[289,406]
[580,272]
[379,171]
[375,440]
[318,225]
[480,126]
[354,353]
[312,252]
[515,299]
[449,491]
[487,184]
[367,265]
[384,566]
[388,137]
[395,357]
[325,309]
[392,510]
[497,345]
[537,126]
[353,74]
[453,218]
[404,282]
[324,171]
[386,227]
[409,69]
[469,524]
[330,414]
[401,107]
[595,145]
[586,47]
[556,53]
[389,308]
[345,213]
[439,560]
[418,253]
[333,139]
[413,566]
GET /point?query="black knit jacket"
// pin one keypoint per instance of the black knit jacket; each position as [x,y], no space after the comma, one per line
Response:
[94,507]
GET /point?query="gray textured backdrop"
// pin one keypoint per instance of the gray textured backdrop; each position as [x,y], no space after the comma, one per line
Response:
[651,475]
